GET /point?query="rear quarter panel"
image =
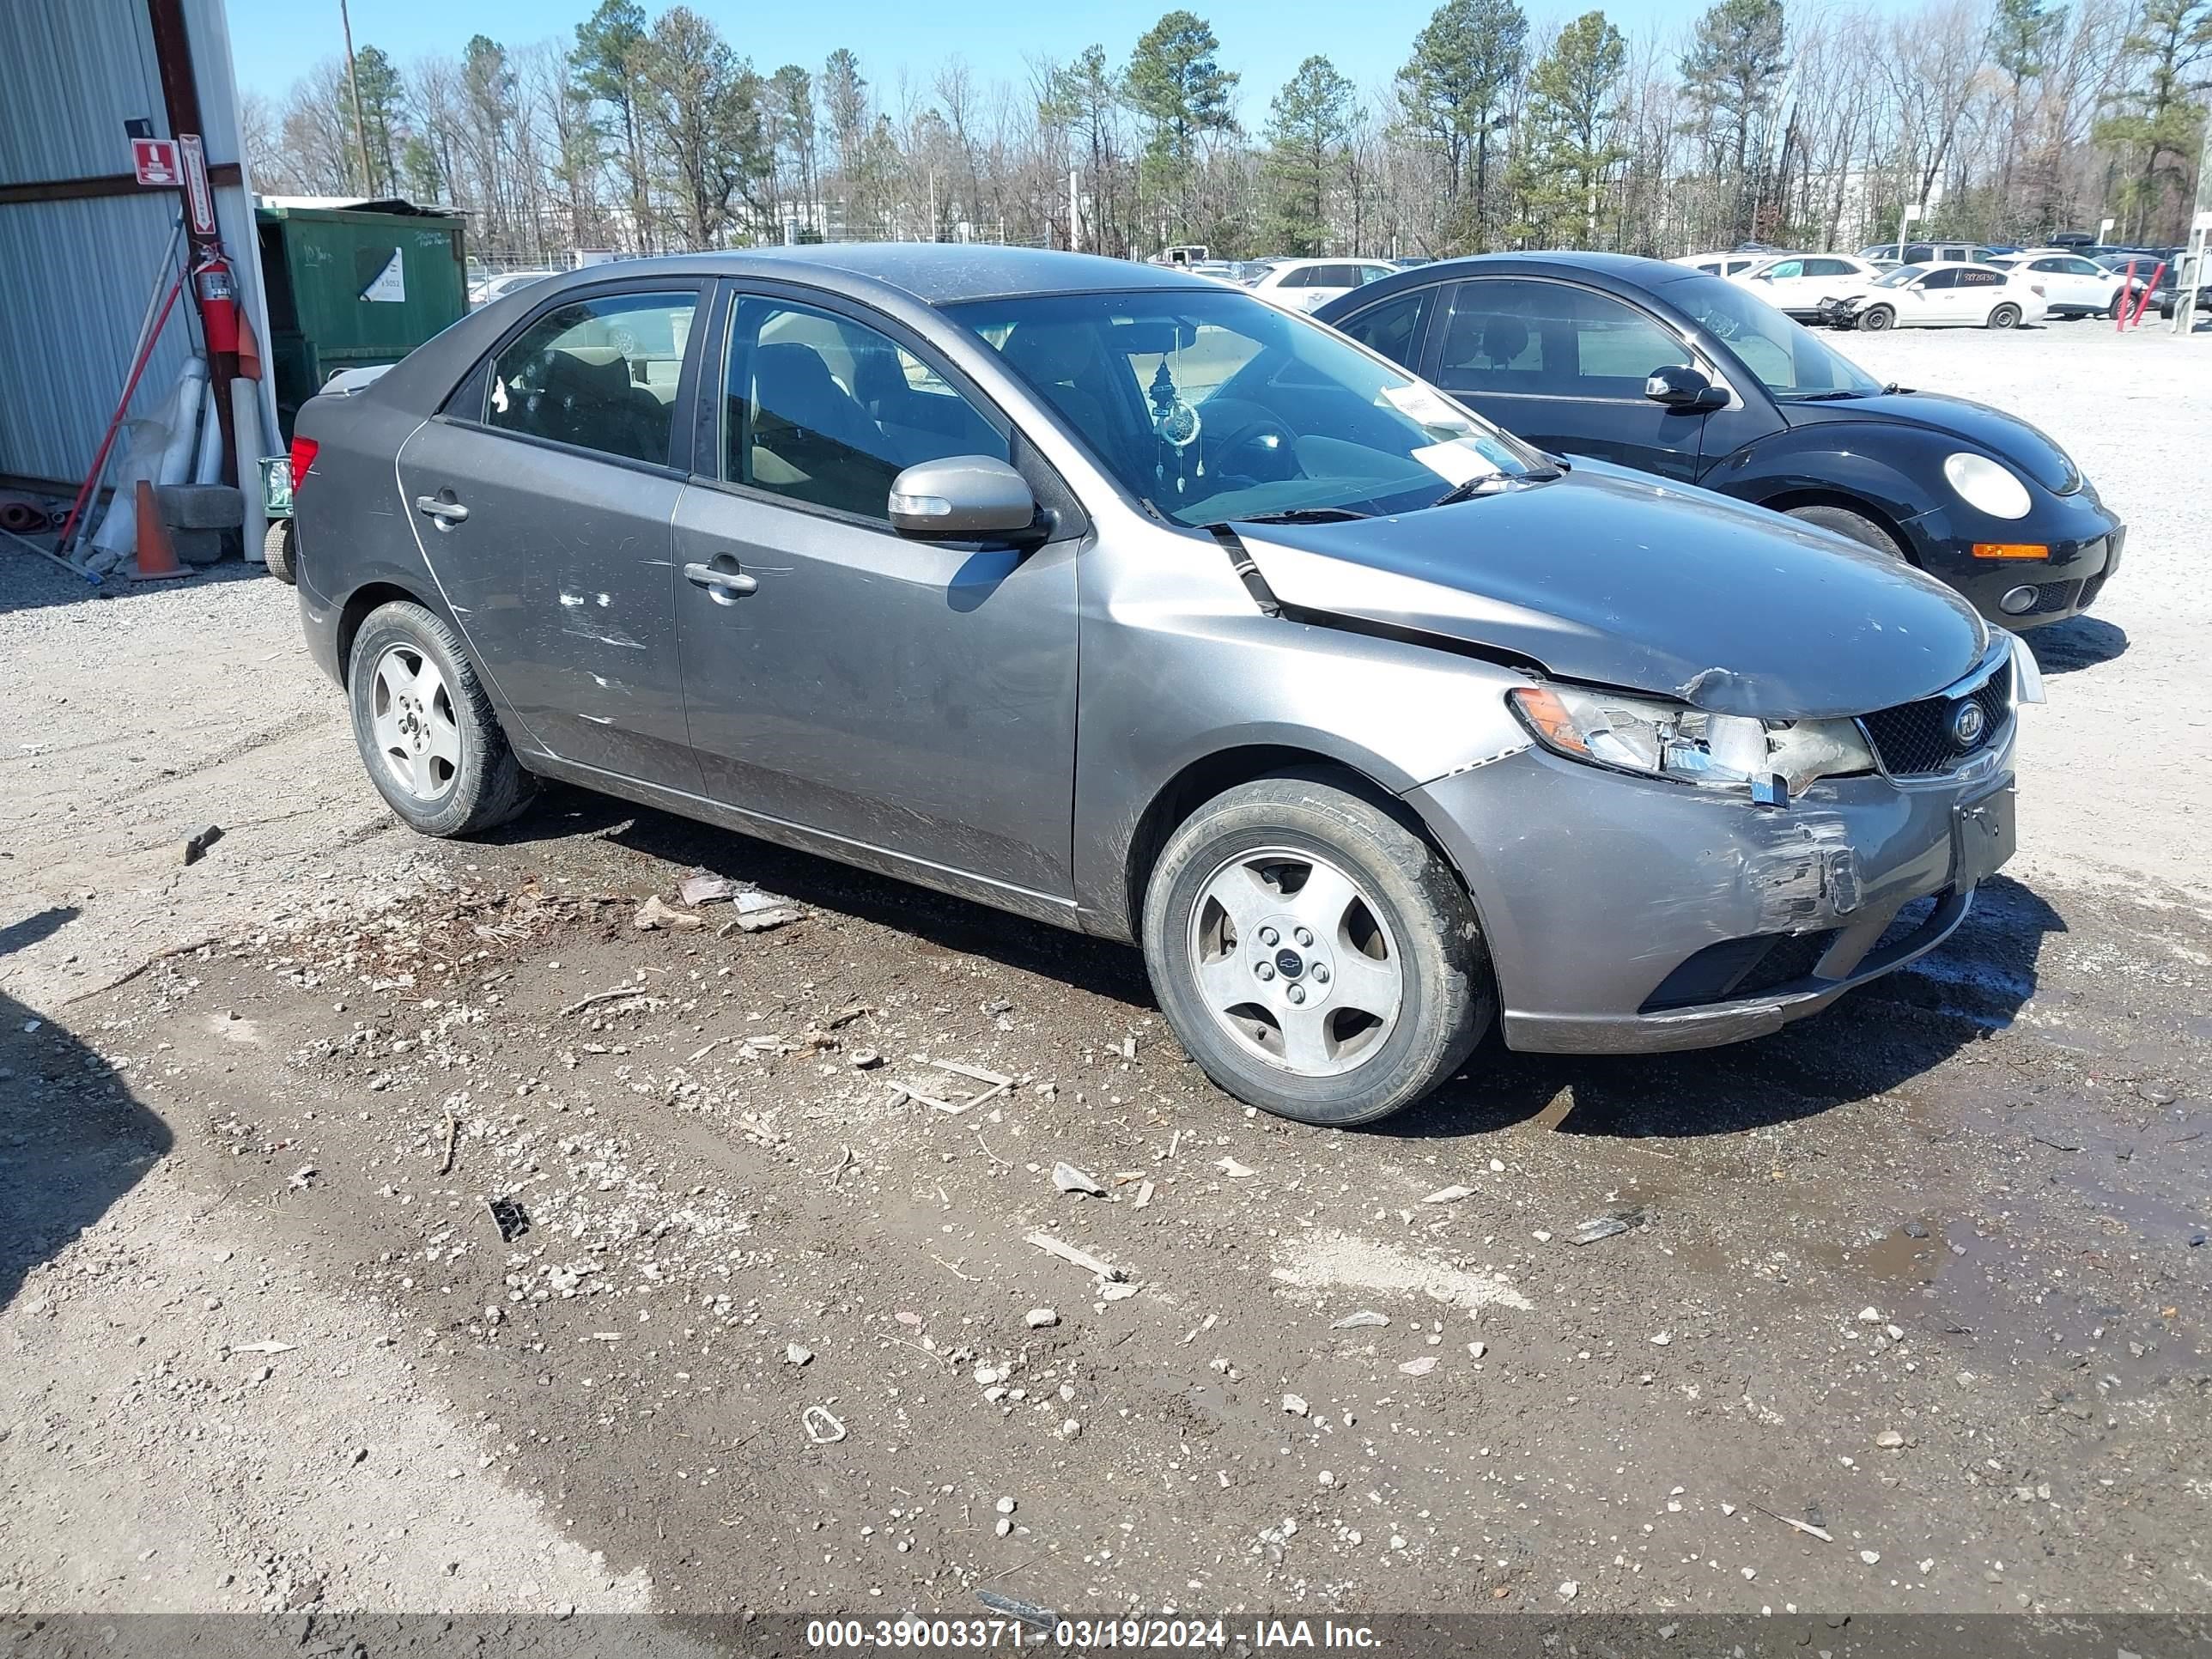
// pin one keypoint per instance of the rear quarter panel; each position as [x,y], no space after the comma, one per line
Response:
[351,528]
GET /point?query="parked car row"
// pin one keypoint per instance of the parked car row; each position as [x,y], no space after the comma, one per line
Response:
[1421,689]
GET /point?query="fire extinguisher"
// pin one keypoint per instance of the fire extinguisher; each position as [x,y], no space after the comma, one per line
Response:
[218,295]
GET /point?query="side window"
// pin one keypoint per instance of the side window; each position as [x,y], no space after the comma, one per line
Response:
[1828,268]
[600,373]
[1374,273]
[1940,279]
[1784,268]
[828,411]
[1918,253]
[1395,327]
[1551,339]
[1971,277]
[2048,265]
[2083,268]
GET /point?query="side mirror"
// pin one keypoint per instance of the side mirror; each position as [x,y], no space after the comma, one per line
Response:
[1678,386]
[1764,277]
[962,498]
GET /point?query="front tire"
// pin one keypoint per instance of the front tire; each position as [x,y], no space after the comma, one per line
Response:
[1314,954]
[425,728]
[1855,525]
[2005,316]
[1874,318]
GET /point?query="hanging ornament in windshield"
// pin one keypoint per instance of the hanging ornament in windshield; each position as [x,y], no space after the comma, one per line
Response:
[1175,421]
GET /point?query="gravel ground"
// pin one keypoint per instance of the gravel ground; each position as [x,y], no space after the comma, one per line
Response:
[1922,1273]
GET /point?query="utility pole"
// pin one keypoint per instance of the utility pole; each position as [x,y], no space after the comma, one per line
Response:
[1075,210]
[353,84]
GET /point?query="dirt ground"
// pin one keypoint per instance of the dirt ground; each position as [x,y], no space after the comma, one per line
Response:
[1910,1313]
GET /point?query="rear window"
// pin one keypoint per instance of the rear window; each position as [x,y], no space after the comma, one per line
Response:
[598,373]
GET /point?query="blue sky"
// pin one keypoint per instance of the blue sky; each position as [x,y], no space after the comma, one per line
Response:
[276,42]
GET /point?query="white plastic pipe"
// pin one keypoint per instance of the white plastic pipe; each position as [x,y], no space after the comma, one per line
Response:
[178,452]
[207,464]
[245,436]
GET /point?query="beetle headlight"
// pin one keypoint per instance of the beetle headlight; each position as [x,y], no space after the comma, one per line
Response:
[1659,739]
[1982,484]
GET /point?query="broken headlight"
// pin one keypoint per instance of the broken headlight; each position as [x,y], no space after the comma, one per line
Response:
[1659,740]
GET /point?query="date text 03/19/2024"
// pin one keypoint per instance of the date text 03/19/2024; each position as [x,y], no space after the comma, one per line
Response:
[911,1632]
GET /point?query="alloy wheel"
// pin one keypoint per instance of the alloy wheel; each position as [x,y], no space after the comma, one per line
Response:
[411,711]
[1295,961]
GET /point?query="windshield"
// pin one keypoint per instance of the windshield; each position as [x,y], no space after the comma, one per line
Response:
[1791,361]
[1217,405]
[1902,276]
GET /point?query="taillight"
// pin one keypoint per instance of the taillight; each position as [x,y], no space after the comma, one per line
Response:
[303,457]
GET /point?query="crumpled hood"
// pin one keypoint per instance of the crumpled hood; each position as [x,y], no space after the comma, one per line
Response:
[1991,430]
[1609,577]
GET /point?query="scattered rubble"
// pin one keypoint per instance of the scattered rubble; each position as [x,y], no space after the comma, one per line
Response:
[653,913]
[1069,1179]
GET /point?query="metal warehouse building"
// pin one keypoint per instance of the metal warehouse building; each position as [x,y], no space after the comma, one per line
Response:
[81,239]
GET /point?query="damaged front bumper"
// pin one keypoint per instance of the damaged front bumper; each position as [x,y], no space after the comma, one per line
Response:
[1632,916]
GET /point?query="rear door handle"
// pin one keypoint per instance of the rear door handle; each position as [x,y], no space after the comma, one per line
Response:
[447,513]
[726,584]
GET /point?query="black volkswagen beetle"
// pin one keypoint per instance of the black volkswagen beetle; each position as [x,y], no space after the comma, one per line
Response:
[1675,373]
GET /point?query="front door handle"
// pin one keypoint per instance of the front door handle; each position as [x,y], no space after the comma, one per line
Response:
[723,582]
[446,511]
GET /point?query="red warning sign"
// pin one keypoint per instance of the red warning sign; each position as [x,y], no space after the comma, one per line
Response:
[155,160]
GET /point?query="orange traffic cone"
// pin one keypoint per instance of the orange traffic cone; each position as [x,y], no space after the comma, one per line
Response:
[157,555]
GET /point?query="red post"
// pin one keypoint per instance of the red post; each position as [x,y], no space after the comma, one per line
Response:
[173,54]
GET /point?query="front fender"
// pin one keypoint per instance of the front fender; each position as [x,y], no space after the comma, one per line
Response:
[1185,680]
[1896,470]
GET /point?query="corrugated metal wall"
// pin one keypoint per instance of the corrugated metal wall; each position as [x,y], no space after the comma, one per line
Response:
[75,275]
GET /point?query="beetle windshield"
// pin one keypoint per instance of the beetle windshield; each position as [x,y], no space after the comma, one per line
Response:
[1791,360]
[1212,406]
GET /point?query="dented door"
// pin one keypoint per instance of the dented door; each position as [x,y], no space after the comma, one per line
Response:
[561,576]
[542,495]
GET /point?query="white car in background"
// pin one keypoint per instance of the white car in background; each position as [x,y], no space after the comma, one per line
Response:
[1797,283]
[1725,264]
[2076,287]
[1939,296]
[1309,284]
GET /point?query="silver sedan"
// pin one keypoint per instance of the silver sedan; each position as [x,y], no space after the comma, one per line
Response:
[1121,599]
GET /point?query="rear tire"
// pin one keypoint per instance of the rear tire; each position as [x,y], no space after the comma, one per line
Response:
[277,551]
[426,730]
[1855,525]
[2005,316]
[1874,318]
[1392,979]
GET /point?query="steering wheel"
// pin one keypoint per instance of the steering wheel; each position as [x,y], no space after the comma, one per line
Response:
[1261,426]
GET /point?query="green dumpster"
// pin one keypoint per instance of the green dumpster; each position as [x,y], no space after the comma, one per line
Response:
[353,286]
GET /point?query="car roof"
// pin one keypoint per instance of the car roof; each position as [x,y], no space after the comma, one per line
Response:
[1625,270]
[935,273]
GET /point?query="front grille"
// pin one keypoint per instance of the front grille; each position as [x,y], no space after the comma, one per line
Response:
[1745,967]
[2054,597]
[1914,739]
[1792,957]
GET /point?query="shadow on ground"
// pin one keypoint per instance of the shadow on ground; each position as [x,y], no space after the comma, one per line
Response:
[2077,643]
[73,1139]
[1873,1039]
